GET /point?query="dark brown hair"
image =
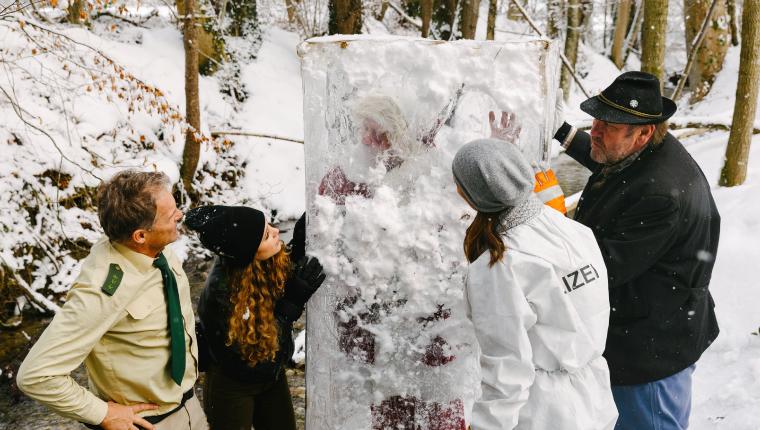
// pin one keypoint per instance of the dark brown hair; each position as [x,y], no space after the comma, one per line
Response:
[126,202]
[483,235]
[254,290]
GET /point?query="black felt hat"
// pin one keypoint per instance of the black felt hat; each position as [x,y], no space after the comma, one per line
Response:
[633,98]
[234,232]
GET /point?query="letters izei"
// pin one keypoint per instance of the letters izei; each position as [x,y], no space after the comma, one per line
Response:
[580,277]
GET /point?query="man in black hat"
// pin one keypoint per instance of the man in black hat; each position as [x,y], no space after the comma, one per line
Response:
[650,208]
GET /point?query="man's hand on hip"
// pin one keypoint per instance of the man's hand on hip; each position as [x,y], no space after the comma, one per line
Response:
[120,417]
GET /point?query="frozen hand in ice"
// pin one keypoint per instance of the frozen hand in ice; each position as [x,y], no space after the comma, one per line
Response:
[336,185]
[506,129]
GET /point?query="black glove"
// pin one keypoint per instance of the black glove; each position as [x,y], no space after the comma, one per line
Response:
[309,272]
[297,244]
[306,279]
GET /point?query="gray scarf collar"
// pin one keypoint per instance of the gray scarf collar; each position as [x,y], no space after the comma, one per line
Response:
[521,213]
[622,164]
[613,169]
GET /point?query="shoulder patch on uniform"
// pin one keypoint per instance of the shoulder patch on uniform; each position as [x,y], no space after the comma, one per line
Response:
[113,279]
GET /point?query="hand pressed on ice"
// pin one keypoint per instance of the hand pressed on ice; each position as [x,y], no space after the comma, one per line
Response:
[507,129]
[120,417]
[309,276]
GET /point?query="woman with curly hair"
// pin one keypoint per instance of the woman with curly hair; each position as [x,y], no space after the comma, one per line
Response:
[253,295]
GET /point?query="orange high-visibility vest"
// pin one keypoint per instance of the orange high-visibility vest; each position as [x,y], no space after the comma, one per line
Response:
[548,190]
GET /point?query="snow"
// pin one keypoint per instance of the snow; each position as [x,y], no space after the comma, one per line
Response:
[275,175]
[727,378]
[100,126]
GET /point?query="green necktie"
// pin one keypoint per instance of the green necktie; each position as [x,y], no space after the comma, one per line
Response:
[176,324]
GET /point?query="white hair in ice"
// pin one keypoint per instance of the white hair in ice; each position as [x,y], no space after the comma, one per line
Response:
[386,113]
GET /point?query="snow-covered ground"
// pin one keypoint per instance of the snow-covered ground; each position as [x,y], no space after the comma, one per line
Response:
[727,380]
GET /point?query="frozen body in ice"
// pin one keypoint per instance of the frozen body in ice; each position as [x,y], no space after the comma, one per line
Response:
[381,161]
[389,344]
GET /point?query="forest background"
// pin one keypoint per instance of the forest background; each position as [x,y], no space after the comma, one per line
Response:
[209,91]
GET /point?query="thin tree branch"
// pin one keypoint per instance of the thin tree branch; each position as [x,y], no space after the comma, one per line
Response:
[561,55]
[127,20]
[38,299]
[217,133]
[693,52]
[17,109]
[404,15]
[638,20]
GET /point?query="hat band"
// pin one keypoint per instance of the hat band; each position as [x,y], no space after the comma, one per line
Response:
[609,102]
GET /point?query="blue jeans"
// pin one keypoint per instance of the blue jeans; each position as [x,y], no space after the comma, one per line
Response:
[664,404]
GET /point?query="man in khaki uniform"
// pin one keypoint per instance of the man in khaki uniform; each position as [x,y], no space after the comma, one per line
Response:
[128,316]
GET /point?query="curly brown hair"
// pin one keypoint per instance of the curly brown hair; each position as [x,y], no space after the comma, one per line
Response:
[255,288]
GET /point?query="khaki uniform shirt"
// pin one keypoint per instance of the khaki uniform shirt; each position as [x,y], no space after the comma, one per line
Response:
[123,340]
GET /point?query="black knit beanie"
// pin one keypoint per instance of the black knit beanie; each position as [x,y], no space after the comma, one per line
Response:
[234,232]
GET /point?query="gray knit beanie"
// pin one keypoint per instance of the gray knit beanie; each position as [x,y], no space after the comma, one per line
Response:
[493,174]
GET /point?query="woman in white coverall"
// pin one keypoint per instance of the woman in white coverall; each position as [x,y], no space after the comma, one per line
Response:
[537,297]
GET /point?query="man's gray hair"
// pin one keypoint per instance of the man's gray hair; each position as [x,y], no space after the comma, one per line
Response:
[127,202]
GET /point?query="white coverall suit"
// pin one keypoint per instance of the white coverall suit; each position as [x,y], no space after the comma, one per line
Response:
[540,317]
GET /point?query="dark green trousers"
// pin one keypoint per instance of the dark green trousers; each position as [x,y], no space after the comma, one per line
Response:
[234,405]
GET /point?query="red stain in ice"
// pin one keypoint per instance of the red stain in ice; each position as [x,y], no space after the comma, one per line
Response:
[435,353]
[356,342]
[412,413]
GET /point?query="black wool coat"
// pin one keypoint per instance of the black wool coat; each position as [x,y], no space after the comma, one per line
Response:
[657,226]
[214,309]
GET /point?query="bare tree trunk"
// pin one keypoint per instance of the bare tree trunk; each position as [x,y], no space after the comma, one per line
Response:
[622,19]
[710,55]
[731,9]
[571,43]
[444,15]
[291,9]
[345,17]
[491,27]
[737,152]
[244,17]
[383,9]
[513,13]
[192,148]
[469,18]
[426,13]
[653,37]
[76,12]
[208,41]
[633,35]
[554,16]
[587,10]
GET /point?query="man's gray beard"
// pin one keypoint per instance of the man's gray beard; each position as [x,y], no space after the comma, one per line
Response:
[595,155]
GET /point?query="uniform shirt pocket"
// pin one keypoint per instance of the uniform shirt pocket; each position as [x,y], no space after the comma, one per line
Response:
[147,304]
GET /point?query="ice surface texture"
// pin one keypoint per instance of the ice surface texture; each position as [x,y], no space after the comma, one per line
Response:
[389,342]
